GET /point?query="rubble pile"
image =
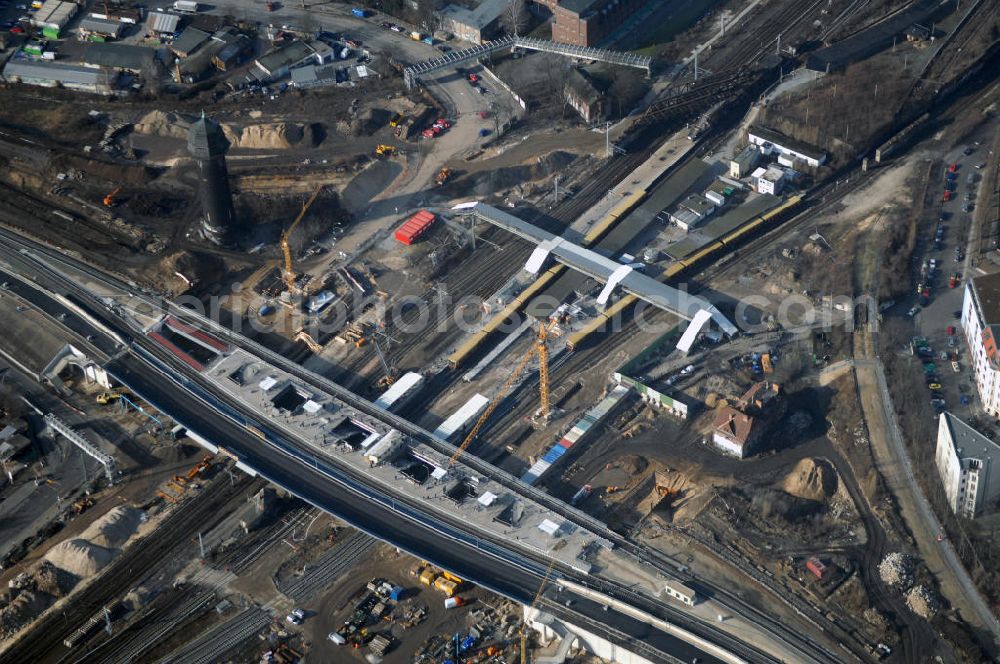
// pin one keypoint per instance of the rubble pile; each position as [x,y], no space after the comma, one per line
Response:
[922,602]
[896,570]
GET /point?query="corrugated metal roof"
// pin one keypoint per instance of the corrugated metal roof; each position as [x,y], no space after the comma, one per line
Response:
[163,22]
[399,389]
[54,13]
[100,25]
[46,71]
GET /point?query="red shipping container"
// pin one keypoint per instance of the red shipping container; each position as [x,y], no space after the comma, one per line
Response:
[414,228]
[816,567]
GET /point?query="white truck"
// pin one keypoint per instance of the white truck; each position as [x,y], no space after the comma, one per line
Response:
[186,6]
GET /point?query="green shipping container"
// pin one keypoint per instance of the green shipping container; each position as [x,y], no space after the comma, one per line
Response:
[51,33]
[95,38]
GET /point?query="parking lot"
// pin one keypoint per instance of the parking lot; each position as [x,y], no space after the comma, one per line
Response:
[942,264]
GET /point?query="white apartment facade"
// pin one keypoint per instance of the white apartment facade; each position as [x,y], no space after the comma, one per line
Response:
[981,325]
[966,462]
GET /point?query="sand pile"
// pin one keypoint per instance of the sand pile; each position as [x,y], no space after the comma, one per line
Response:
[162,123]
[922,602]
[79,557]
[812,479]
[113,529]
[277,136]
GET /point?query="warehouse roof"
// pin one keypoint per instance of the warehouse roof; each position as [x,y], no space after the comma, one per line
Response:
[54,12]
[48,71]
[189,40]
[119,56]
[288,56]
[100,25]
[163,22]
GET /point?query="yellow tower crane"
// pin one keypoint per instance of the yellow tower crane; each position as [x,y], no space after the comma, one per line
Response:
[286,249]
[524,620]
[538,348]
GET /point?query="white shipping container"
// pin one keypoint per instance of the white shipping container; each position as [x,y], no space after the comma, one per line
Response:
[186,6]
[404,386]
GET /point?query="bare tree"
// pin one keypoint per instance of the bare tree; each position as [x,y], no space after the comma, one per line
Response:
[515,17]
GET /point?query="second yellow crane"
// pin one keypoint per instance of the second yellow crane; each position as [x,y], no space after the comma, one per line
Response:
[286,249]
[539,349]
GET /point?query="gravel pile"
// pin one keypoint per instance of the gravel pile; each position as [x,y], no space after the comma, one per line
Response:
[896,570]
[922,602]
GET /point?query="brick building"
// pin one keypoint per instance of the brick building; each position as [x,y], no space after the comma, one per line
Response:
[588,22]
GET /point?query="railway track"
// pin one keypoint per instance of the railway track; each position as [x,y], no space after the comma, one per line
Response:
[43,641]
[330,566]
[221,639]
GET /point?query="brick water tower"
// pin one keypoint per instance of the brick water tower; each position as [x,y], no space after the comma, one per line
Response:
[208,145]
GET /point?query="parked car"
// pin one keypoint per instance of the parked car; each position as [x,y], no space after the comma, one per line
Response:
[934,386]
[956,367]
[296,616]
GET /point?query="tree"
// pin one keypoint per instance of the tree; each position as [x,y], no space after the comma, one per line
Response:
[515,17]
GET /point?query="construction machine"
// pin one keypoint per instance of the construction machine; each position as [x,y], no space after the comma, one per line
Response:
[443,176]
[104,398]
[383,150]
[308,340]
[112,198]
[541,350]
[200,467]
[286,248]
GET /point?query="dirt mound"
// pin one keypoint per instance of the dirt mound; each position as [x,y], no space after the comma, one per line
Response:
[79,557]
[51,580]
[277,136]
[113,529]
[163,123]
[21,610]
[812,479]
[632,464]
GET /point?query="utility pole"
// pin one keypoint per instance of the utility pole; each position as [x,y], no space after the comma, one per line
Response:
[696,64]
[722,20]
[607,139]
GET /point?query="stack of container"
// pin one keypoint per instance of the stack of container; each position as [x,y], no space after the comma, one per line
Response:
[579,430]
[414,228]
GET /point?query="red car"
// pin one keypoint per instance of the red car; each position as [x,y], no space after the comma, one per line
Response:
[953,168]
[947,196]
[473,79]
[17,30]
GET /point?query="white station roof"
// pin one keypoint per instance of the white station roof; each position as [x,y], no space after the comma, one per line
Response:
[597,266]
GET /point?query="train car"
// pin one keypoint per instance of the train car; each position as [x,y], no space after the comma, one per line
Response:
[469,347]
[619,211]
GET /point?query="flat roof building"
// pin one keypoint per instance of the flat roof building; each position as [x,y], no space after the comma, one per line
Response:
[770,141]
[588,22]
[53,75]
[278,64]
[965,460]
[741,164]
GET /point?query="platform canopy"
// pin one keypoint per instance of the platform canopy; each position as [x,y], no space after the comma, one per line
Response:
[609,272]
